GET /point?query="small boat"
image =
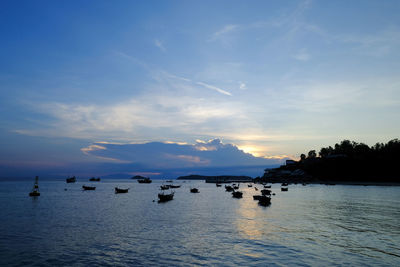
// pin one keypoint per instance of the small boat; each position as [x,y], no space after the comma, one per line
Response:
[121,190]
[255,188]
[218,185]
[284,189]
[144,181]
[174,186]
[304,184]
[169,181]
[84,187]
[71,179]
[164,187]
[267,186]
[264,201]
[165,197]
[237,194]
[94,179]
[265,192]
[249,185]
[194,190]
[257,197]
[236,187]
[228,188]
[285,184]
[35,189]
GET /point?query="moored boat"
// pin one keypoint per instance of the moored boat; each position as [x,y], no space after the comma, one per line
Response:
[121,190]
[93,179]
[71,179]
[237,194]
[228,188]
[264,201]
[265,192]
[284,189]
[165,197]
[144,181]
[218,185]
[84,187]
[164,187]
[174,186]
[257,197]
[194,190]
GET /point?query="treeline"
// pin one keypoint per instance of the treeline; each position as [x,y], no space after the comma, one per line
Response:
[352,161]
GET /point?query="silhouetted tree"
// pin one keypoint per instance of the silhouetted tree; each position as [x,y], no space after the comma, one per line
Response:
[312,154]
[355,161]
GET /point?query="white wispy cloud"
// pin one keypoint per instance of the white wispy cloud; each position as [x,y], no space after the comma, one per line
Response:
[219,90]
[160,45]
[225,30]
[381,43]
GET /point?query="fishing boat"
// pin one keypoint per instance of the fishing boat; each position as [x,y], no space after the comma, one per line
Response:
[71,179]
[228,188]
[284,189]
[264,201]
[94,179]
[257,197]
[265,192]
[144,181]
[35,189]
[84,187]
[121,190]
[267,186]
[237,194]
[165,197]
[218,185]
[249,185]
[174,186]
[194,190]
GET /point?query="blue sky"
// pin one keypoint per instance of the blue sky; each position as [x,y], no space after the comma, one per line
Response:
[272,78]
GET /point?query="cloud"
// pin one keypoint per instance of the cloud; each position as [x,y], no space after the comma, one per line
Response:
[160,155]
[225,30]
[219,90]
[160,45]
[155,116]
[379,44]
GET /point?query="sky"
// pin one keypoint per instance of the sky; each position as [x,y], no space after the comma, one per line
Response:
[86,86]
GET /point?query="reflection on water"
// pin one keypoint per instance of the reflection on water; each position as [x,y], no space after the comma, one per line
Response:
[247,221]
[312,225]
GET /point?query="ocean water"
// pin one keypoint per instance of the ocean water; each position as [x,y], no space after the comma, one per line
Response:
[313,225]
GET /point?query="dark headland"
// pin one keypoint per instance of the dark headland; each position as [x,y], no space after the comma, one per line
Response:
[345,163]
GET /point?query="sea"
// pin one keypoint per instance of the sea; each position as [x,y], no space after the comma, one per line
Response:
[312,225]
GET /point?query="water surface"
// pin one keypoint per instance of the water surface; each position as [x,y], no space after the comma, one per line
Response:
[314,225]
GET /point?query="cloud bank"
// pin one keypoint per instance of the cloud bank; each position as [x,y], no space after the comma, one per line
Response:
[168,155]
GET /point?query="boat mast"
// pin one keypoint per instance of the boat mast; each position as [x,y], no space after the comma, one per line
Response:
[36,184]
